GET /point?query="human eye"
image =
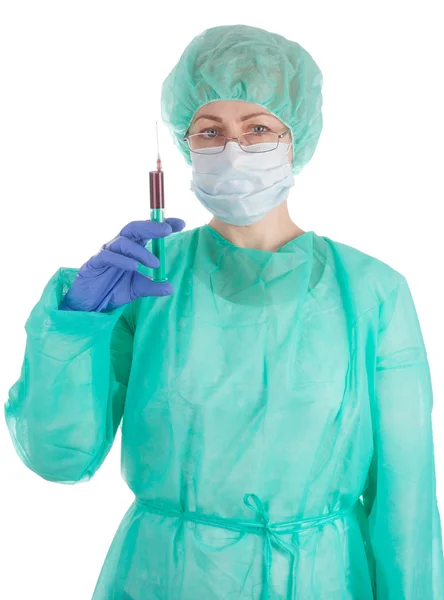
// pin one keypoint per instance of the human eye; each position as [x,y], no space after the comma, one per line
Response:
[208,131]
[264,127]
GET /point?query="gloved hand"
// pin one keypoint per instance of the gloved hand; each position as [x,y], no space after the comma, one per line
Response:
[110,278]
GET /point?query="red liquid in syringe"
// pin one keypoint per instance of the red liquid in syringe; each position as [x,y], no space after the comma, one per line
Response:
[157,198]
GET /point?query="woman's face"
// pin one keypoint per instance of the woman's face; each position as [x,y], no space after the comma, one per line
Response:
[234,117]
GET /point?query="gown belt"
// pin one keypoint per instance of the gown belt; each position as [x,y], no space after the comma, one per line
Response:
[270,531]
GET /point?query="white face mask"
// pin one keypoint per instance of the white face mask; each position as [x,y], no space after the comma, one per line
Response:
[241,187]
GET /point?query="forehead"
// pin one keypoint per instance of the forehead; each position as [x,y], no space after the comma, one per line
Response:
[231,109]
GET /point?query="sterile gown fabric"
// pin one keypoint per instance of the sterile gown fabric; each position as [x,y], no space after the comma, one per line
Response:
[276,428]
[240,62]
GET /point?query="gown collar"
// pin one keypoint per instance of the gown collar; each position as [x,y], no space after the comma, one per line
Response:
[250,276]
[287,257]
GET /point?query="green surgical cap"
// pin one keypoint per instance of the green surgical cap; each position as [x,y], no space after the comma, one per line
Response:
[239,62]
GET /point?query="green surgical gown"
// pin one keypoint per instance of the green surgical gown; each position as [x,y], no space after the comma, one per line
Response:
[276,425]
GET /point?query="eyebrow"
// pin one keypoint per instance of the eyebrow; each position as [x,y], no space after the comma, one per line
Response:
[245,118]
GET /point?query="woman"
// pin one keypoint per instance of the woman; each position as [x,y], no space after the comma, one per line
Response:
[276,408]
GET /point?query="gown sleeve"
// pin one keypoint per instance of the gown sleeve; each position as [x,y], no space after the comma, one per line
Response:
[63,412]
[401,502]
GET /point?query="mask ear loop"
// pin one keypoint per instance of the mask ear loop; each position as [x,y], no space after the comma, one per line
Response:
[289,145]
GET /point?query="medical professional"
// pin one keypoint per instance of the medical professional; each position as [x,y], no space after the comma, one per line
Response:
[274,395]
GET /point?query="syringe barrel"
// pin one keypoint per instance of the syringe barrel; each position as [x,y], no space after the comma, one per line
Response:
[157,198]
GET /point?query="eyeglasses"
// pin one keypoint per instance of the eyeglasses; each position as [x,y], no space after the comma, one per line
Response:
[205,143]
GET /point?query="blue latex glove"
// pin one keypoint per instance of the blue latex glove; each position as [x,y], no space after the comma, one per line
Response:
[110,278]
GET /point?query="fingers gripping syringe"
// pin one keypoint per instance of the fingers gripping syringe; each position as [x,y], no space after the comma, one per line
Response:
[157,204]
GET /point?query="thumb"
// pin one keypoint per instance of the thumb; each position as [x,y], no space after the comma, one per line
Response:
[142,286]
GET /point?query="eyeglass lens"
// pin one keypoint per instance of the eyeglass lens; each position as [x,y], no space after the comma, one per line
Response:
[250,142]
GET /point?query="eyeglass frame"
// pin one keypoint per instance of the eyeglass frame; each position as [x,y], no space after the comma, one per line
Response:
[280,135]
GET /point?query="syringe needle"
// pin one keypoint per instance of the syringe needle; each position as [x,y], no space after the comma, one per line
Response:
[159,164]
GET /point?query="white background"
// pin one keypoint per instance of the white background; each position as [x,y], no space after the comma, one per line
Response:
[80,94]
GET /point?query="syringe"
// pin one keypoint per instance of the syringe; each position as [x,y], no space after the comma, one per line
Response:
[157,204]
